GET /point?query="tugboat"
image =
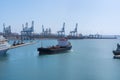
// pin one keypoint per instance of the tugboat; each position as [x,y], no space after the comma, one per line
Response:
[117,52]
[62,46]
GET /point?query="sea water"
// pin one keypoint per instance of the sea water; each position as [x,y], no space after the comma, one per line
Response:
[89,59]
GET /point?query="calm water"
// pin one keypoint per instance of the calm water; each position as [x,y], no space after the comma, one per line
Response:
[88,60]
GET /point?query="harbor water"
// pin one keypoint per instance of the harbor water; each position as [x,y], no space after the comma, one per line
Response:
[89,59]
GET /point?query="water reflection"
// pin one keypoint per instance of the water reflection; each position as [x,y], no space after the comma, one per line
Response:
[4,57]
[88,60]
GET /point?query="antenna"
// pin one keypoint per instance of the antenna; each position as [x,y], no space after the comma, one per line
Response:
[49,30]
[26,24]
[32,23]
[32,26]
[9,28]
[3,27]
[76,27]
[42,28]
[23,25]
[63,29]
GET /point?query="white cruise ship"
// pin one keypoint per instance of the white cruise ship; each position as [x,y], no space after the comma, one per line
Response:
[4,45]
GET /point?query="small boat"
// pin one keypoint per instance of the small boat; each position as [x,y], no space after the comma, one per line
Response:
[21,44]
[18,43]
[63,46]
[117,51]
[4,45]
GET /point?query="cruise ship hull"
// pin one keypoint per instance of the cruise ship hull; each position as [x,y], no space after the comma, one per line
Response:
[3,51]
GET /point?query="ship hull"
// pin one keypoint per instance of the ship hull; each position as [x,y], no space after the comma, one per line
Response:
[3,51]
[53,50]
[115,52]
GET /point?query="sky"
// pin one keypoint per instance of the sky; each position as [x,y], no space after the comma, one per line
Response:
[92,16]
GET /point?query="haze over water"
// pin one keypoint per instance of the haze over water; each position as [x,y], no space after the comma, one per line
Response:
[88,60]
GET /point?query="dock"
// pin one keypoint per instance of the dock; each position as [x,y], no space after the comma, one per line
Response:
[25,44]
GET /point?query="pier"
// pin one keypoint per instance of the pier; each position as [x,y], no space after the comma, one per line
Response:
[20,45]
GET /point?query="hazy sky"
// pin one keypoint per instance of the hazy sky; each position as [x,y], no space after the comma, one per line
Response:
[92,16]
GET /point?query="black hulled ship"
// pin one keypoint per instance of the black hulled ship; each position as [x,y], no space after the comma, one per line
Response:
[62,46]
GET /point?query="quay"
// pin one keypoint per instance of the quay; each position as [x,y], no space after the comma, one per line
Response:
[20,45]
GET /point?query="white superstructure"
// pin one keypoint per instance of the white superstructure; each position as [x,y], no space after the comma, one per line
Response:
[63,42]
[4,46]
